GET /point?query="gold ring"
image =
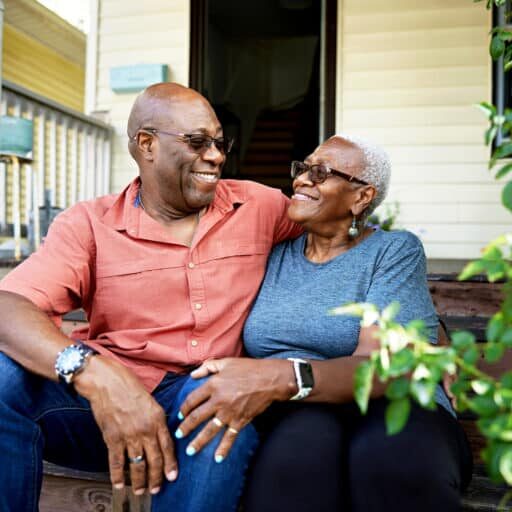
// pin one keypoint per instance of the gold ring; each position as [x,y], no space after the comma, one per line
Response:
[217,422]
[233,430]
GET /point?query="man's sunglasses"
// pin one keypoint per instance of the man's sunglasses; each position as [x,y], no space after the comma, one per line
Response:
[197,141]
[320,172]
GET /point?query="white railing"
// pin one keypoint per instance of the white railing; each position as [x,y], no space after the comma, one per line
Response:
[71,159]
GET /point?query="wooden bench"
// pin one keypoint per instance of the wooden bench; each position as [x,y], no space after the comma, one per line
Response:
[462,305]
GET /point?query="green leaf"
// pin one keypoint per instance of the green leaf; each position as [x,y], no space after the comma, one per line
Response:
[390,311]
[398,388]
[506,337]
[496,48]
[506,466]
[423,391]
[506,380]
[492,456]
[402,362]
[363,380]
[480,387]
[473,268]
[493,352]
[471,355]
[495,327]
[397,414]
[506,196]
[503,171]
[490,134]
[487,108]
[483,405]
[462,340]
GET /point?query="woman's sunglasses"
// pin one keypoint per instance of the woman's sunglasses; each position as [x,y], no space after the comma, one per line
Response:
[319,173]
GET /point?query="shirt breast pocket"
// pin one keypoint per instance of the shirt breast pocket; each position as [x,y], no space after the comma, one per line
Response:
[138,292]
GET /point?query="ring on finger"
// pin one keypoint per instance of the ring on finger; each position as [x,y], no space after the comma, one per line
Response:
[136,460]
[217,422]
[233,430]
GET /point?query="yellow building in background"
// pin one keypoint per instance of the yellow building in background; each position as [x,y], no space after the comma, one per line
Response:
[43,53]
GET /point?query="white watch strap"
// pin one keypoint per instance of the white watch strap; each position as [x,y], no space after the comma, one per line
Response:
[303,391]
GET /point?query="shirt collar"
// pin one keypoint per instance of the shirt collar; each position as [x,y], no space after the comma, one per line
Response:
[126,209]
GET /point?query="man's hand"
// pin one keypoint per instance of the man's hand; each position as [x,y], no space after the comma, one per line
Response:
[132,424]
[239,390]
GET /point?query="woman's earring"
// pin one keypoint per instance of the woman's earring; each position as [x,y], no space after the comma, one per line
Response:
[353,230]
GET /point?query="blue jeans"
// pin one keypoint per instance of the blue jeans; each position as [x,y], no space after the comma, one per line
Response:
[43,419]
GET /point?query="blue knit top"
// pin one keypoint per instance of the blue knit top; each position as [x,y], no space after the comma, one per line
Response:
[290,315]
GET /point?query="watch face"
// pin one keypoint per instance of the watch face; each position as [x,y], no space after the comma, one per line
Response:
[306,373]
[70,360]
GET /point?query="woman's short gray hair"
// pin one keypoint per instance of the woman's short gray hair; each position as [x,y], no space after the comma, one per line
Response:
[377,169]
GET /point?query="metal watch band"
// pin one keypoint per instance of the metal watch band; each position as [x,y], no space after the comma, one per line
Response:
[68,374]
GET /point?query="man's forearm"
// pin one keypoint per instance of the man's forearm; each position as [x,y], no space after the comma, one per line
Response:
[28,336]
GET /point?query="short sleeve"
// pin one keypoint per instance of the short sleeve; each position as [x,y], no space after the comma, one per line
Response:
[401,275]
[285,229]
[57,277]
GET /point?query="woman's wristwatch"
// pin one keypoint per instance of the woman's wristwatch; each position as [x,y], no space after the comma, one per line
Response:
[303,376]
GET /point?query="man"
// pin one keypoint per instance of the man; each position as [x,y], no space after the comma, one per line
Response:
[166,272]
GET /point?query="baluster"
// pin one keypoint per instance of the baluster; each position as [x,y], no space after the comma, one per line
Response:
[74,163]
[63,163]
[52,142]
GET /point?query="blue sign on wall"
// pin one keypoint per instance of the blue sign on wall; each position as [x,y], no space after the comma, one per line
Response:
[137,77]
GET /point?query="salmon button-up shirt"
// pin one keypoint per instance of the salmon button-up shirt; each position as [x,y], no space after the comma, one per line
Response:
[152,303]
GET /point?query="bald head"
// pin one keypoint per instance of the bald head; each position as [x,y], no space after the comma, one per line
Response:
[157,107]
[154,105]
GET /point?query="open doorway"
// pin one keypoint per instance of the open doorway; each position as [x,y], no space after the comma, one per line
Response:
[267,68]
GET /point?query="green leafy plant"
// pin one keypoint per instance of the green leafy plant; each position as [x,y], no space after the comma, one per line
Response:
[412,367]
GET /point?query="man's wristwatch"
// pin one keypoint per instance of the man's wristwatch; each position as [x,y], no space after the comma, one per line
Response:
[72,360]
[303,376]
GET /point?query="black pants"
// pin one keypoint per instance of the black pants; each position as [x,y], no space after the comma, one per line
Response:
[316,457]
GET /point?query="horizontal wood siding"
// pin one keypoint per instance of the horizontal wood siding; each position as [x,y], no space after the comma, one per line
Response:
[409,74]
[154,31]
[41,69]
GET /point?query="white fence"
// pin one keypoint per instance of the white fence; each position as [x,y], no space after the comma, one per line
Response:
[71,159]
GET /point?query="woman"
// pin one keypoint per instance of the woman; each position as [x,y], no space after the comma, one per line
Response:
[319,453]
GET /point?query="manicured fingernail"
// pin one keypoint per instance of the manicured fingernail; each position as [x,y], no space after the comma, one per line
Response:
[139,492]
[219,459]
[172,475]
[118,486]
[190,450]
[180,415]
[155,490]
[178,434]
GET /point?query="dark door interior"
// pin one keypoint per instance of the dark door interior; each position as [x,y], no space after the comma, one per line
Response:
[258,63]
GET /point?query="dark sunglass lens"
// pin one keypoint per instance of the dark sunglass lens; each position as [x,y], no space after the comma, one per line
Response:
[223,145]
[198,142]
[318,173]
[298,168]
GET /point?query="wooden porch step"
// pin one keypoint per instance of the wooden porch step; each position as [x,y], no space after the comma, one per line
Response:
[68,490]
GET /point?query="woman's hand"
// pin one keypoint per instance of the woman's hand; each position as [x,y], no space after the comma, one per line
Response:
[239,390]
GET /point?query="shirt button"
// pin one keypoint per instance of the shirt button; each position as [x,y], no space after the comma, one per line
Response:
[198,306]
[194,343]
[191,265]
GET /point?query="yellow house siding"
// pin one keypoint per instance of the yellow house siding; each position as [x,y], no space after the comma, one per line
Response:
[30,64]
[409,73]
[154,31]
